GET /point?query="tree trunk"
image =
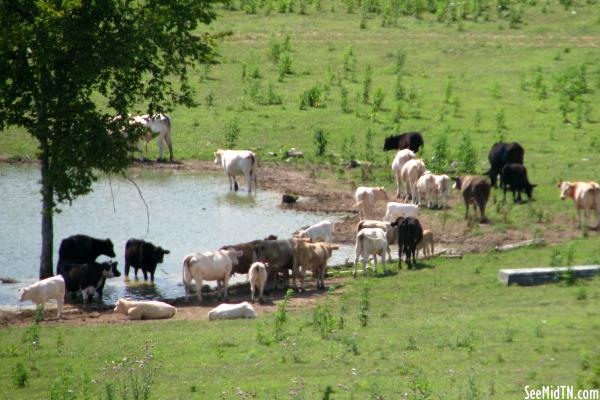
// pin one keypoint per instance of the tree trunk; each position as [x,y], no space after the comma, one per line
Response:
[46,264]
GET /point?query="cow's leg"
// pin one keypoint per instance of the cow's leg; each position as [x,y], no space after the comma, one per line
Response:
[199,289]
[365,262]
[355,264]
[226,286]
[252,288]
[249,181]
[235,184]
[127,270]
[398,184]
[262,288]
[230,182]
[399,257]
[169,144]
[135,271]
[467,210]
[59,305]
[145,274]
[481,205]
[578,216]
[152,276]
[161,147]
[383,261]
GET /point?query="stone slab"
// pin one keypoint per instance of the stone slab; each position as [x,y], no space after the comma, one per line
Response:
[537,276]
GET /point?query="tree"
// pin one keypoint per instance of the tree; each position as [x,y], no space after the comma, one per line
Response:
[68,67]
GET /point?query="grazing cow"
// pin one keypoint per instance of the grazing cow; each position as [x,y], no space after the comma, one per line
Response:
[313,257]
[410,233]
[408,140]
[399,160]
[476,191]
[515,177]
[143,255]
[155,125]
[586,196]
[370,242]
[257,276]
[395,210]
[442,189]
[426,190]
[501,154]
[411,171]
[238,162]
[88,278]
[146,309]
[279,255]
[426,244]
[390,233]
[366,197]
[44,290]
[232,311]
[82,249]
[319,232]
[209,266]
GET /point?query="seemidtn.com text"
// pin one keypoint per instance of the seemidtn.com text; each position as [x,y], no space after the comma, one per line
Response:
[560,392]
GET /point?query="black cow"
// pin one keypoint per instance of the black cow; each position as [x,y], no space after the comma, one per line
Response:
[515,177]
[143,255]
[82,249]
[501,154]
[410,233]
[408,140]
[89,278]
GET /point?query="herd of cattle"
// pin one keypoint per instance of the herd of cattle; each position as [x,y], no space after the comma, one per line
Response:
[268,262]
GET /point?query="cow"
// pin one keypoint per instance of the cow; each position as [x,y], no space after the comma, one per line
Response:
[155,125]
[365,199]
[399,160]
[442,189]
[238,162]
[411,171]
[144,309]
[257,276]
[209,266]
[279,255]
[395,210]
[586,196]
[321,231]
[501,154]
[44,290]
[246,259]
[410,233]
[232,311]
[426,244]
[313,257]
[88,278]
[370,241]
[390,232]
[82,249]
[476,191]
[143,255]
[515,177]
[426,190]
[408,140]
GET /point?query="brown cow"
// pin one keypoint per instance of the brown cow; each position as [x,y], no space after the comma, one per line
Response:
[426,244]
[313,257]
[476,191]
[586,196]
[246,260]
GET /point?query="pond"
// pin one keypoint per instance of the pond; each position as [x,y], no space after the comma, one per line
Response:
[189,212]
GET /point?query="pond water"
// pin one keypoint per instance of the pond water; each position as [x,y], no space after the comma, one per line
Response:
[189,212]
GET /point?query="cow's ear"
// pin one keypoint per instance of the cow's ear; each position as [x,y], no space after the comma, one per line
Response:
[559,184]
[166,251]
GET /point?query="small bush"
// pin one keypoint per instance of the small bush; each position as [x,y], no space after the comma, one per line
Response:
[344,102]
[440,156]
[467,154]
[232,133]
[285,65]
[320,139]
[366,88]
[363,313]
[369,151]
[323,320]
[399,90]
[281,317]
[20,376]
[313,97]
[378,98]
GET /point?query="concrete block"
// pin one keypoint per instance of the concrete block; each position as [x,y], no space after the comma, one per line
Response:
[537,276]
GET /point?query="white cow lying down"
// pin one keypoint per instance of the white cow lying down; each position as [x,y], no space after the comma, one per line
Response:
[232,311]
[44,290]
[147,309]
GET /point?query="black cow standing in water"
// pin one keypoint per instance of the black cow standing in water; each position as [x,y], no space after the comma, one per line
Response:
[143,255]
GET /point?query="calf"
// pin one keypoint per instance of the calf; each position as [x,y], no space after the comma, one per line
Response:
[476,191]
[370,241]
[426,244]
[501,154]
[313,257]
[408,140]
[411,172]
[44,290]
[442,189]
[136,310]
[366,197]
[257,276]
[209,266]
[410,233]
[279,254]
[319,232]
[82,249]
[401,158]
[515,177]
[89,278]
[395,210]
[390,232]
[426,190]
[143,255]
[586,196]
[232,311]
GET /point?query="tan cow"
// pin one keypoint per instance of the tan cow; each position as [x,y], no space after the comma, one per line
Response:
[426,244]
[475,191]
[586,196]
[366,197]
[313,257]
[411,171]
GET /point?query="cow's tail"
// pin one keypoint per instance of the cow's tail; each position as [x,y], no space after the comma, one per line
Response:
[187,275]
[253,170]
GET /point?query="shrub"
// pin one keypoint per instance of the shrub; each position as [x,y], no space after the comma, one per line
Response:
[323,320]
[399,89]
[20,376]
[348,148]
[467,154]
[572,82]
[349,66]
[363,313]
[449,90]
[285,64]
[344,102]
[131,377]
[477,119]
[500,120]
[369,153]
[378,98]
[281,317]
[271,97]
[320,139]
[232,133]
[439,158]
[366,89]
[399,61]
[313,97]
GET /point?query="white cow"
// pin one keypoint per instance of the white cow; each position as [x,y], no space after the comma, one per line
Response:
[319,232]
[232,311]
[158,124]
[401,158]
[411,171]
[370,241]
[390,231]
[210,266]
[146,309]
[366,197]
[426,190]
[442,189]
[44,290]
[395,210]
[586,196]
[238,162]
[257,276]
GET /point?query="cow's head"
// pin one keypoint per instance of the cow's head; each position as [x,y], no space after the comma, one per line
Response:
[23,294]
[398,221]
[457,182]
[121,306]
[108,248]
[109,269]
[566,189]
[159,254]
[233,255]
[330,249]
[529,189]
[218,156]
[381,193]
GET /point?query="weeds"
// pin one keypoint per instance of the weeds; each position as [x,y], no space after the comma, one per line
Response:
[363,313]
[232,133]
[281,317]
[320,139]
[323,320]
[20,376]
[131,377]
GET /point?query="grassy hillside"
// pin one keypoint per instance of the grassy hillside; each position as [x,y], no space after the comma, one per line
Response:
[446,331]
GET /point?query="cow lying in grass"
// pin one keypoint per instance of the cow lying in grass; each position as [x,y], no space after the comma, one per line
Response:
[145,309]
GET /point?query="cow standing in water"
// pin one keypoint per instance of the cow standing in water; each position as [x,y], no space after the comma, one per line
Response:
[238,162]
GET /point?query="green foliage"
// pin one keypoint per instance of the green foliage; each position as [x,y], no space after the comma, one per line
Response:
[323,321]
[281,317]
[440,156]
[378,98]
[131,377]
[500,120]
[285,65]
[399,90]
[19,374]
[466,154]
[572,82]
[369,151]
[313,97]
[320,140]
[232,133]
[366,86]
[348,148]
[363,304]
[344,102]
[349,66]
[399,61]
[449,90]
